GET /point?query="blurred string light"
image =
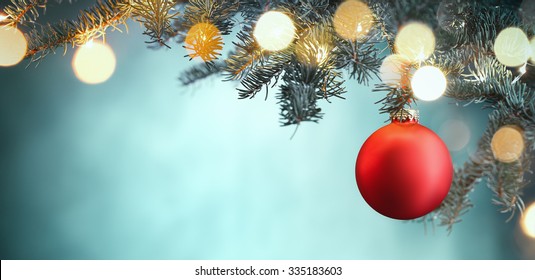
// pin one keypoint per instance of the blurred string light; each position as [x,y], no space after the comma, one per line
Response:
[13,46]
[455,134]
[507,143]
[94,62]
[428,83]
[395,70]
[512,47]
[527,223]
[322,54]
[353,19]
[204,40]
[2,16]
[313,47]
[416,41]
[274,31]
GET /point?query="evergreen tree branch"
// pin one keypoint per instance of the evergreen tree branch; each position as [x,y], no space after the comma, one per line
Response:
[23,11]
[310,68]
[261,74]
[219,13]
[90,24]
[297,97]
[360,58]
[156,16]
[246,55]
[201,71]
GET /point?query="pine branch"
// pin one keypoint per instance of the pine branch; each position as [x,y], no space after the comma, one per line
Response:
[251,9]
[263,73]
[385,22]
[310,68]
[156,16]
[201,71]
[297,99]
[412,10]
[507,182]
[457,202]
[505,179]
[486,81]
[482,23]
[311,12]
[23,11]
[392,14]
[316,56]
[90,24]
[311,75]
[219,13]
[395,100]
[360,58]
[247,54]
[451,62]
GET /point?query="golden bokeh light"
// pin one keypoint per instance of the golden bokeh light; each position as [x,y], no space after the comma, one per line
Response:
[322,54]
[353,19]
[395,70]
[314,47]
[416,41]
[512,47]
[94,62]
[204,40]
[428,83]
[13,46]
[508,143]
[527,223]
[310,54]
[274,31]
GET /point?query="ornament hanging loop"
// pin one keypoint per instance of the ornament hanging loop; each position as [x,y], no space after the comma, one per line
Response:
[405,115]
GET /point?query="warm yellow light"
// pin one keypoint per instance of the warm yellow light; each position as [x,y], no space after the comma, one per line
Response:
[204,40]
[512,47]
[13,46]
[322,54]
[3,17]
[416,41]
[428,83]
[528,221]
[314,47]
[508,143]
[94,62]
[395,70]
[353,19]
[274,31]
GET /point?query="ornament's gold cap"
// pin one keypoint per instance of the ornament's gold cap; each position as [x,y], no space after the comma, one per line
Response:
[404,115]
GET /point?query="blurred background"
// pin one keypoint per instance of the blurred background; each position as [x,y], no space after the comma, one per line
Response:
[140,167]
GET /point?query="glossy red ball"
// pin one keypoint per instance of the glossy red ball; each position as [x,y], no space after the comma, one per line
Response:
[404,170]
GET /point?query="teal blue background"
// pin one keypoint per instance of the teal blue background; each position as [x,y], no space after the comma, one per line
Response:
[142,168]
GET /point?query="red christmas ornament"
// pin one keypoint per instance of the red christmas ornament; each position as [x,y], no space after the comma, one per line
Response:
[404,170]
